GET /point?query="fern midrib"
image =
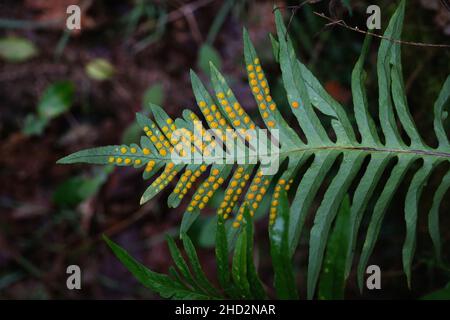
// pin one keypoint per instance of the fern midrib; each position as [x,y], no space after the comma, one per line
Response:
[283,154]
[313,149]
[418,152]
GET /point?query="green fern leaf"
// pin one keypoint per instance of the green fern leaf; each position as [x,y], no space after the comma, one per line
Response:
[284,278]
[313,152]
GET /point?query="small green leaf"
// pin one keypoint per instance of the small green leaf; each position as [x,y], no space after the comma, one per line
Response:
[67,193]
[77,189]
[56,99]
[15,49]
[100,69]
[208,54]
[34,125]
[153,95]
[132,134]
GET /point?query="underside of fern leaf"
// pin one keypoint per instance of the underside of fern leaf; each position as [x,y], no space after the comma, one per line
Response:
[247,182]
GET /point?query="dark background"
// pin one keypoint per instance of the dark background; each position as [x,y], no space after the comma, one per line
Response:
[52,216]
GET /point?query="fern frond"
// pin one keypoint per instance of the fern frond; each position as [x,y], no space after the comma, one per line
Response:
[241,281]
[248,184]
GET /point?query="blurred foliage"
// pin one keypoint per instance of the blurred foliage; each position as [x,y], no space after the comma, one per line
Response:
[75,190]
[206,55]
[56,100]
[153,95]
[442,294]
[100,69]
[15,49]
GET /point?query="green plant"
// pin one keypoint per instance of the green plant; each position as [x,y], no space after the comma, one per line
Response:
[99,69]
[15,50]
[56,100]
[154,17]
[241,281]
[304,92]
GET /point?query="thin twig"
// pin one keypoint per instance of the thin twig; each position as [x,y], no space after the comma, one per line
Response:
[356,29]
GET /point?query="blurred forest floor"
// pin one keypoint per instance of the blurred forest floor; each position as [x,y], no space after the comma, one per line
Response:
[130,53]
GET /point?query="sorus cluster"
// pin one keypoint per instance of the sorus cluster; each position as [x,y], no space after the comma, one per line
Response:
[206,190]
[261,92]
[254,195]
[187,179]
[274,205]
[129,156]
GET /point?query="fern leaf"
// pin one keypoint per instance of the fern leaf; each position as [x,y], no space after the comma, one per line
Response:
[361,197]
[246,183]
[162,284]
[239,267]
[297,93]
[397,174]
[223,268]
[366,125]
[440,115]
[199,275]
[387,116]
[256,286]
[306,191]
[284,279]
[433,216]
[411,213]
[326,213]
[332,278]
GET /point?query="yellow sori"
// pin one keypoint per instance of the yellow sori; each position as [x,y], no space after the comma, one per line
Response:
[261,91]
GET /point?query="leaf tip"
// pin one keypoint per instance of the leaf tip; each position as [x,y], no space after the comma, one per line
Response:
[142,200]
[105,238]
[245,33]
[62,160]
[212,67]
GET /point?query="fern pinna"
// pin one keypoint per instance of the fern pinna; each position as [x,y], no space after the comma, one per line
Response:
[248,186]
